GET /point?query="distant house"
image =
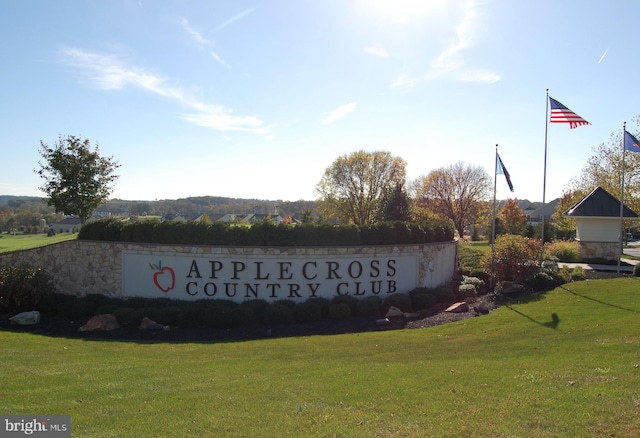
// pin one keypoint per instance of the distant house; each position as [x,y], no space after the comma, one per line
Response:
[66,225]
[598,227]
[535,215]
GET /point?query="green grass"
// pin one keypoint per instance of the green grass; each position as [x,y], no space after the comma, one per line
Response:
[564,363]
[19,242]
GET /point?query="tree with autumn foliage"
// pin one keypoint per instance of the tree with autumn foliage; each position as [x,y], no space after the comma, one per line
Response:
[456,192]
[513,219]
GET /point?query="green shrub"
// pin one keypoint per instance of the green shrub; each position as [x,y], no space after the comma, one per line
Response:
[191,315]
[50,303]
[170,315]
[578,273]
[542,281]
[515,258]
[369,305]
[219,316]
[399,300]
[422,301]
[349,300]
[477,283]
[149,312]
[564,274]
[124,315]
[106,309]
[324,304]
[287,303]
[467,291]
[278,314]
[77,309]
[339,311]
[567,251]
[244,316]
[444,294]
[23,288]
[636,270]
[257,306]
[136,302]
[307,312]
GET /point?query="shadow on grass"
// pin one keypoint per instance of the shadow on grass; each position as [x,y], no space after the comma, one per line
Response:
[553,324]
[532,298]
[598,301]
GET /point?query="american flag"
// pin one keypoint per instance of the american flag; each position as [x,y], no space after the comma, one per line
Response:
[562,114]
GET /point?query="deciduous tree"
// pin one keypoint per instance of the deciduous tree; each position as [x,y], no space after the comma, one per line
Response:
[77,178]
[352,186]
[455,192]
[513,219]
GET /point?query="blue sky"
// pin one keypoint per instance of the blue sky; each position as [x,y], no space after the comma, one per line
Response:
[255,99]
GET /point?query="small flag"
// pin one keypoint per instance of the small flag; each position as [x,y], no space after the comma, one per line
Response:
[631,143]
[562,114]
[503,171]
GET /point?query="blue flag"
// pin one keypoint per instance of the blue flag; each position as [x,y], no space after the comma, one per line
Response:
[631,143]
[503,171]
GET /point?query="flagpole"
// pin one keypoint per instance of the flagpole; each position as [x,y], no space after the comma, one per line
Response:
[620,248]
[544,178]
[493,226]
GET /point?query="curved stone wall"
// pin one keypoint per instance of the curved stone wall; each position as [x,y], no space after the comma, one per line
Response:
[120,269]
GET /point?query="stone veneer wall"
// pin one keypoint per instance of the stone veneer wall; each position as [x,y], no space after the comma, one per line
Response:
[604,250]
[81,267]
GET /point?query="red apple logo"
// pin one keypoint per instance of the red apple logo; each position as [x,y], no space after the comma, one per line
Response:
[164,278]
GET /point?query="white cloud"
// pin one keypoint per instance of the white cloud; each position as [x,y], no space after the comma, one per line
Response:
[233,19]
[108,72]
[339,113]
[377,50]
[194,34]
[451,63]
[219,59]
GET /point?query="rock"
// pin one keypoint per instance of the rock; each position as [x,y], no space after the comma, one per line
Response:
[26,318]
[509,287]
[460,307]
[149,324]
[394,312]
[100,322]
[481,309]
[383,322]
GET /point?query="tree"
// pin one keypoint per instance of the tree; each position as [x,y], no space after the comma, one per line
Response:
[455,192]
[395,205]
[513,219]
[77,179]
[566,226]
[604,169]
[352,186]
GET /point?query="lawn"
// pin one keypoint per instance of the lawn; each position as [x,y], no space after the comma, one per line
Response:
[563,363]
[19,242]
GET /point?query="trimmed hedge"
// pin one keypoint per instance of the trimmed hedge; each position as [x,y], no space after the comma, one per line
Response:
[267,234]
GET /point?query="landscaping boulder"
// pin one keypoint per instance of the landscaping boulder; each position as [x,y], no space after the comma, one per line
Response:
[509,287]
[394,312]
[100,322]
[460,307]
[26,318]
[149,324]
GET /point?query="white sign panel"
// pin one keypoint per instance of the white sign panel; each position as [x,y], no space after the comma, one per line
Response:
[268,277]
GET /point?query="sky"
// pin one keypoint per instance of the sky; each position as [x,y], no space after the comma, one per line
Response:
[256,99]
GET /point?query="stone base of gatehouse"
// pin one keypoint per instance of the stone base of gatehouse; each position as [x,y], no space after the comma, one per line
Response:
[599,250]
